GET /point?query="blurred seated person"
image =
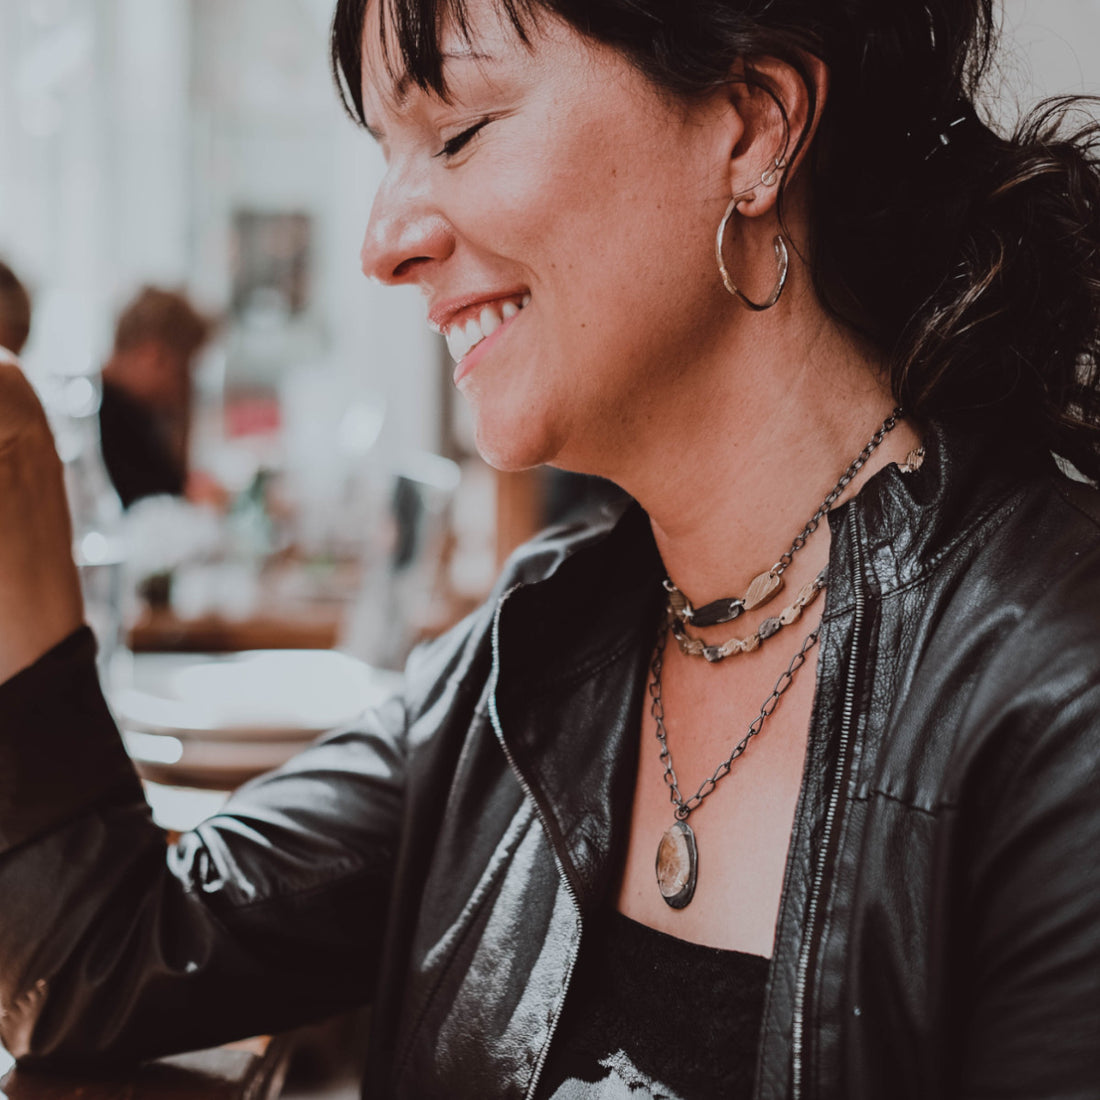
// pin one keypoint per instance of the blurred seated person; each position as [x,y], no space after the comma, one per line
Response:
[15,314]
[145,417]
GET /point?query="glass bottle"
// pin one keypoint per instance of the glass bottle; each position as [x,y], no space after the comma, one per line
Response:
[99,548]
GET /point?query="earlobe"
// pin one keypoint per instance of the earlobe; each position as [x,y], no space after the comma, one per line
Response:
[768,180]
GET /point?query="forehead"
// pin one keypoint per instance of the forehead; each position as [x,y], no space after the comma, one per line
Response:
[405,47]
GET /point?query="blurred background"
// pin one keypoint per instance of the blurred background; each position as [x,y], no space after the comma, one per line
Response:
[275,494]
[196,146]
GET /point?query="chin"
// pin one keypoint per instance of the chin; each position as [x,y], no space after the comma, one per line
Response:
[507,457]
[514,443]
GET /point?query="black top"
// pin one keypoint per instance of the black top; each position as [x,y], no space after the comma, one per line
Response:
[135,451]
[648,1014]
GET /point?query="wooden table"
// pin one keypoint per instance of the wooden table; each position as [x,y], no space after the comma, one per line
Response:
[298,605]
[163,632]
[252,1070]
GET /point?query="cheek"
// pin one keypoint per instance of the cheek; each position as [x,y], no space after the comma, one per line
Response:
[527,204]
[622,274]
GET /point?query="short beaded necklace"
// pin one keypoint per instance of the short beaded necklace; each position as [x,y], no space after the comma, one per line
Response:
[770,582]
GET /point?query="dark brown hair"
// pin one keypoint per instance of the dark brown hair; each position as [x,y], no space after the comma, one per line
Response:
[969,258]
[15,311]
[164,316]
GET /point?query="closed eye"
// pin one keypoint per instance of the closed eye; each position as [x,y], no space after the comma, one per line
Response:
[455,145]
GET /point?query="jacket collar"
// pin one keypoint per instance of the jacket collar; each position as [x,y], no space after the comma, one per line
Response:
[573,641]
[588,586]
[570,667]
[907,523]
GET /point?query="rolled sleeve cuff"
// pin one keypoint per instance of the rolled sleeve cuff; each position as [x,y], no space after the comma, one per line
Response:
[60,751]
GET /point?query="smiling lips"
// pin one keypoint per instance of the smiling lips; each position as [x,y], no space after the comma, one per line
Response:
[463,336]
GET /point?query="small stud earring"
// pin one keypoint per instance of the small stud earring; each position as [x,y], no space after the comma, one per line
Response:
[770,176]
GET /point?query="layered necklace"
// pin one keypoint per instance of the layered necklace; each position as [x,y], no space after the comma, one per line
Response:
[678,852]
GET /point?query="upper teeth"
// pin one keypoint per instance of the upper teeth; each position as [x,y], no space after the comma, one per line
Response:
[462,339]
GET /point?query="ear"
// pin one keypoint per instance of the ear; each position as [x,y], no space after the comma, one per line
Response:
[779,109]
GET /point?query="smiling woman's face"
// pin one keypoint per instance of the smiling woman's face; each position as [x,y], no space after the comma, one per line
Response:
[559,216]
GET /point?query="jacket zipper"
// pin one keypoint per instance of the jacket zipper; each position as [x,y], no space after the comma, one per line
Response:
[847,719]
[494,717]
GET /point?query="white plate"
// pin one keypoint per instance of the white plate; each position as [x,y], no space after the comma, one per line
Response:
[263,695]
[211,764]
[182,808]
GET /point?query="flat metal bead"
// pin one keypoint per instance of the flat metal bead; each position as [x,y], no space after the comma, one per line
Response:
[762,589]
[677,601]
[718,612]
[768,628]
[807,593]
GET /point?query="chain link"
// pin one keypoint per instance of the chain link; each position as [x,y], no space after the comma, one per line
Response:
[727,609]
[858,463]
[657,709]
[684,807]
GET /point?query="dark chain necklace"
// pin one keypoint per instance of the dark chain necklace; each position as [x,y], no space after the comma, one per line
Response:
[768,583]
[678,853]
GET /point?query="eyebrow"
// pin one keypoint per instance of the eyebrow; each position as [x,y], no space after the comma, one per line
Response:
[404,84]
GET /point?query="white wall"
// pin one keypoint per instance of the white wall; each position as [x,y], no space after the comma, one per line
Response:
[1053,46]
[94,123]
[148,104]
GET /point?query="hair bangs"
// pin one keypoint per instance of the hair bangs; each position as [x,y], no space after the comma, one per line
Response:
[410,33]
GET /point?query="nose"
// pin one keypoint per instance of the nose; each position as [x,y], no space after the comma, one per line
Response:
[405,235]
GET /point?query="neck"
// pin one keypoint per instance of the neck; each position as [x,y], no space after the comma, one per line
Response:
[740,464]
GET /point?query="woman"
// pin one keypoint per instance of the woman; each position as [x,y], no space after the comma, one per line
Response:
[706,252]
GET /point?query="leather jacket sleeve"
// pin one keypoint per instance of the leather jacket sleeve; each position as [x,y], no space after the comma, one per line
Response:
[266,916]
[1032,878]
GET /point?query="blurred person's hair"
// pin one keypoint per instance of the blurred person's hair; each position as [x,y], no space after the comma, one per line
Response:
[163,316]
[15,311]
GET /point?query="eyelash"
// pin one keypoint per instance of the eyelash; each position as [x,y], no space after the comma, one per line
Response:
[455,145]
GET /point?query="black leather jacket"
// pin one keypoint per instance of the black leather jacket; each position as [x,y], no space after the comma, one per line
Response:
[939,930]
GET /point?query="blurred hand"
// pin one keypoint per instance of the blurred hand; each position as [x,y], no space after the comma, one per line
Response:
[205,489]
[40,602]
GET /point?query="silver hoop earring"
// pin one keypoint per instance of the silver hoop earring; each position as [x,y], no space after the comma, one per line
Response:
[781,256]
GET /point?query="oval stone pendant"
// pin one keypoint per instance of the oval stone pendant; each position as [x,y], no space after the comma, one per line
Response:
[677,865]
